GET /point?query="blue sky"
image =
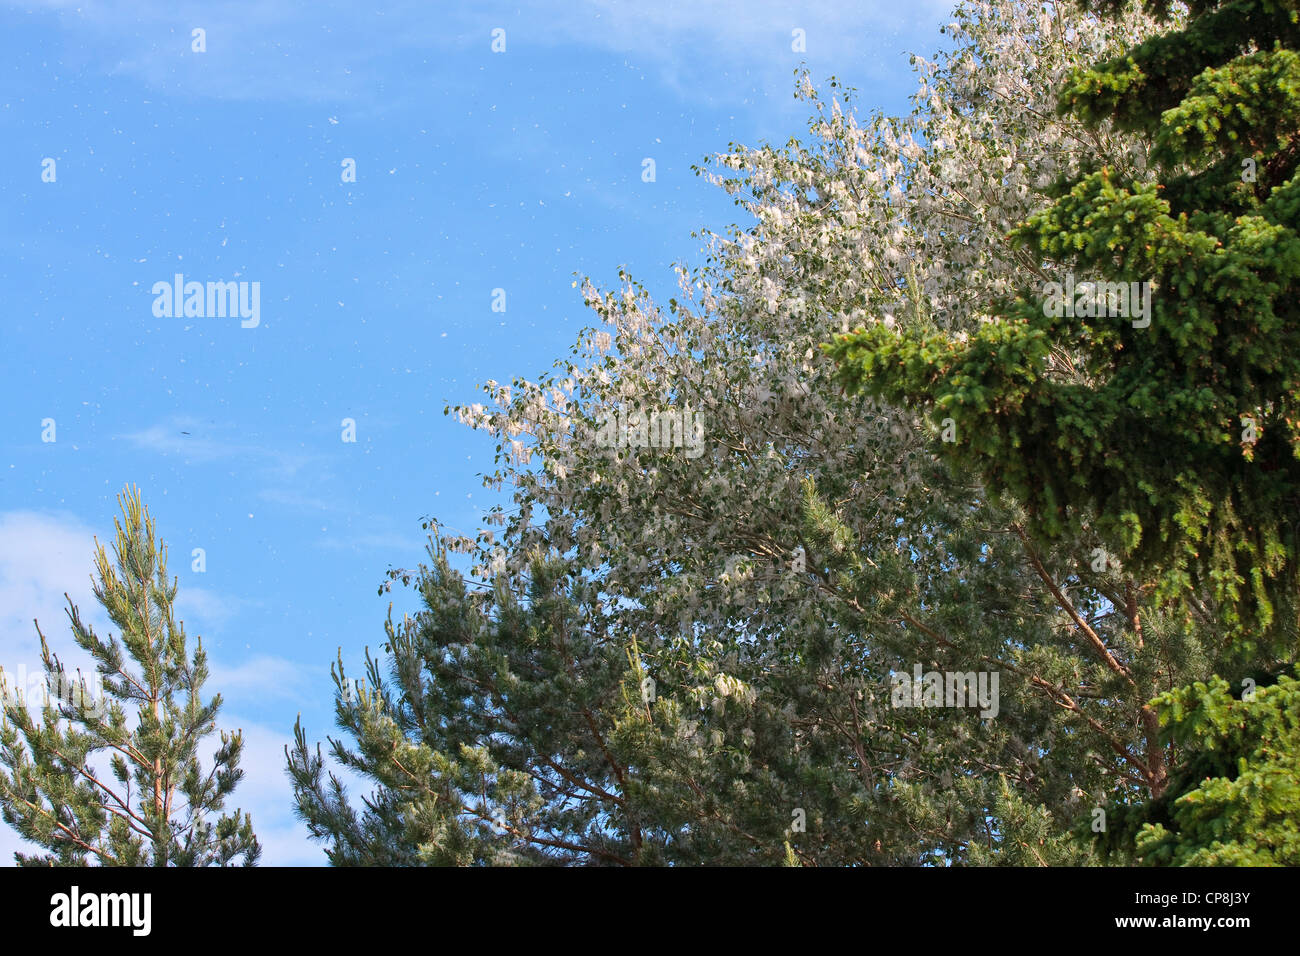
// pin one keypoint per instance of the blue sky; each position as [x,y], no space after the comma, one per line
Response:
[475,171]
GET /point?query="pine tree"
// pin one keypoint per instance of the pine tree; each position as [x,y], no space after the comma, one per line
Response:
[507,725]
[490,742]
[110,775]
[1175,430]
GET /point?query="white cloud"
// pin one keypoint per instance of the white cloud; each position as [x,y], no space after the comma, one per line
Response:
[11,844]
[169,438]
[266,794]
[41,557]
[375,541]
[749,42]
[339,52]
[203,610]
[292,498]
[262,677]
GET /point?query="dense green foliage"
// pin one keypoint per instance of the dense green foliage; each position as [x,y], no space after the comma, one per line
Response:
[1177,440]
[892,426]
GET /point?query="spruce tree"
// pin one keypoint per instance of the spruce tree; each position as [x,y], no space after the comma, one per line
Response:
[1236,799]
[110,775]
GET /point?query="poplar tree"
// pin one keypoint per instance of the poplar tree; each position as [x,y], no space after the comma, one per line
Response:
[109,774]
